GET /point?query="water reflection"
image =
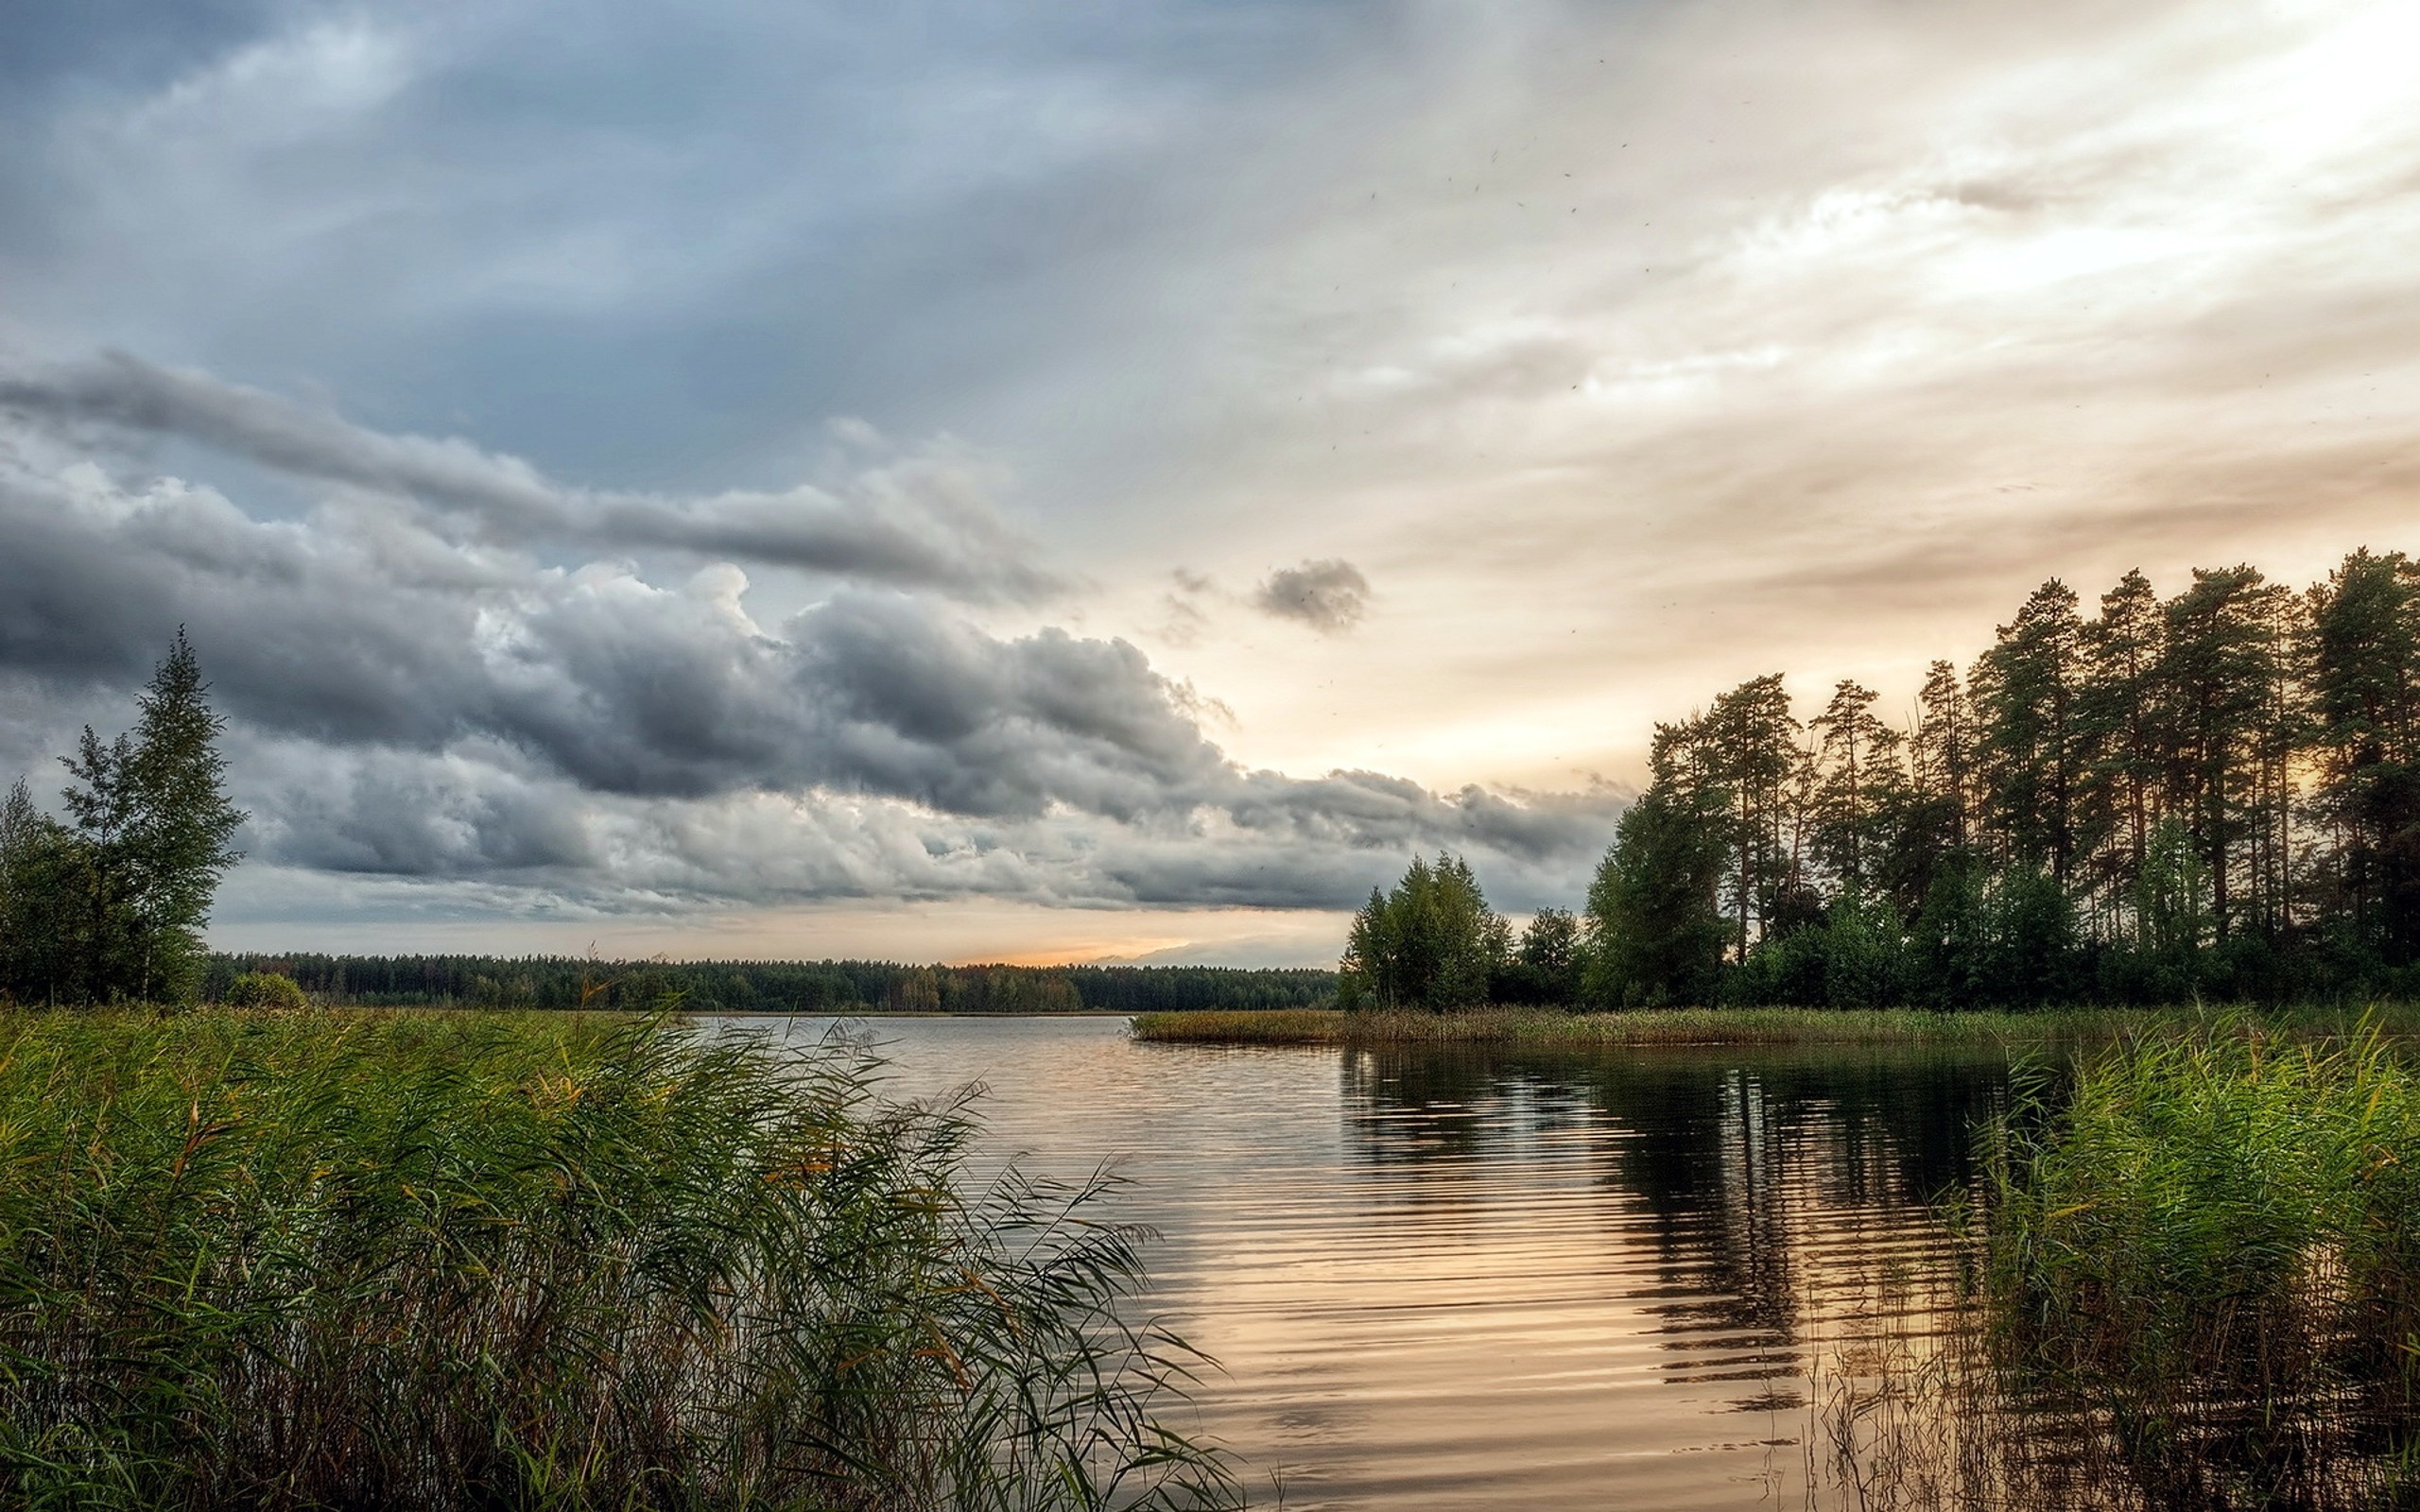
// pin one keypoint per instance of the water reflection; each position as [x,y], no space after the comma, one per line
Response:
[1766,1192]
[1445,1279]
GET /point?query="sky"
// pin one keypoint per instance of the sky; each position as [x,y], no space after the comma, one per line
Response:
[1114,481]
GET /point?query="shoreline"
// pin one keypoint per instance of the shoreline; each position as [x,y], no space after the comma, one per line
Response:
[1677,1027]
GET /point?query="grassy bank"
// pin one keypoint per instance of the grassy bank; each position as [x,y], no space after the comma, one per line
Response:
[1724,1026]
[455,1261]
[1657,1026]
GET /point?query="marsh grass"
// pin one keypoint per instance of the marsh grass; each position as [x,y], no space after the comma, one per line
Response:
[1242,1026]
[2213,1247]
[456,1260]
[1642,1027]
[1909,1410]
[2191,1281]
[1740,1027]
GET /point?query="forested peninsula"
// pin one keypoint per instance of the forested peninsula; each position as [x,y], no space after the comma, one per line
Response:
[2213,795]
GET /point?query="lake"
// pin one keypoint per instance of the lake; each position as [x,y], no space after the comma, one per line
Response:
[1455,1278]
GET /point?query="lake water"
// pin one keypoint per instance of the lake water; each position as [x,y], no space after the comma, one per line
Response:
[1448,1277]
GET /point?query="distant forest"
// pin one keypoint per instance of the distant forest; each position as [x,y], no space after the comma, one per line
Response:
[772,986]
[2214,795]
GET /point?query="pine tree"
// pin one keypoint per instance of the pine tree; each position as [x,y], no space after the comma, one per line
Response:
[1943,750]
[153,824]
[2362,651]
[2216,673]
[1930,820]
[1856,787]
[1655,922]
[1749,755]
[2024,690]
[2121,742]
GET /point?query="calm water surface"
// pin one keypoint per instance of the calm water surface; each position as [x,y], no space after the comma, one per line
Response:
[1443,1277]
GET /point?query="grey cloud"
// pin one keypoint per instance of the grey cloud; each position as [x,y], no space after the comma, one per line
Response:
[419,707]
[401,814]
[915,524]
[480,817]
[1330,596]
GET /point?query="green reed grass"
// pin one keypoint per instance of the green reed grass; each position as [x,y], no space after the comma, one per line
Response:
[1240,1027]
[456,1261]
[1736,1027]
[2211,1248]
[1641,1026]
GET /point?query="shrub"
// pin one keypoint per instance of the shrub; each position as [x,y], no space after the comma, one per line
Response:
[265,989]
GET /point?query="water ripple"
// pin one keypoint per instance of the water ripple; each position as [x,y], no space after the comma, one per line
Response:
[1443,1279]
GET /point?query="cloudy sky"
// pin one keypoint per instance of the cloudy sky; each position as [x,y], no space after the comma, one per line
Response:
[1045,481]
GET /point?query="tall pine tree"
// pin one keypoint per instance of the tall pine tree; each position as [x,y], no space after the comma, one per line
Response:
[153,827]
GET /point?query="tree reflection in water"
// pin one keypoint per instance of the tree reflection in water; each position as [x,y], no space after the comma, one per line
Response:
[1775,1188]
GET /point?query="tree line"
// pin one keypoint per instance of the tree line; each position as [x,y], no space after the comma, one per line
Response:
[2214,794]
[770,987]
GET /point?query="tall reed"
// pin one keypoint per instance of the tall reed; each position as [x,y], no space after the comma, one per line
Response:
[2212,1249]
[425,1260]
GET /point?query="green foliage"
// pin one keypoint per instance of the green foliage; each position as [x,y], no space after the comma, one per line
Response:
[2215,796]
[45,873]
[1545,968]
[112,909]
[1856,956]
[1981,940]
[2215,1240]
[264,989]
[1432,942]
[1655,936]
[2031,950]
[473,1261]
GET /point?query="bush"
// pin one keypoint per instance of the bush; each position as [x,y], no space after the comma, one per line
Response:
[265,989]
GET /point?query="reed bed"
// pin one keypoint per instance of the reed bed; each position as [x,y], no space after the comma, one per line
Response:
[1640,1026]
[1744,1026]
[2213,1248]
[1240,1027]
[2190,1281]
[477,1261]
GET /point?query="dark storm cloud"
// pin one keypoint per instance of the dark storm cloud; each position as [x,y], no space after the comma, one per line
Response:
[1330,597]
[416,706]
[623,686]
[481,817]
[927,530]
